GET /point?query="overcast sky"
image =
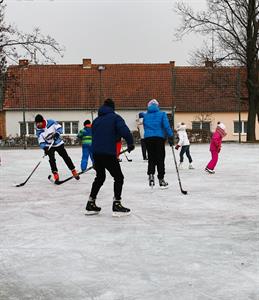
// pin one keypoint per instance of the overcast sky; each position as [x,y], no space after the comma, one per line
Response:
[108,31]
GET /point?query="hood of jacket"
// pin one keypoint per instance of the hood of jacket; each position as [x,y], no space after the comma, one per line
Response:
[105,109]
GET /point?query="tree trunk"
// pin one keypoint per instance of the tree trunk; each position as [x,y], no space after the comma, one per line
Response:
[250,137]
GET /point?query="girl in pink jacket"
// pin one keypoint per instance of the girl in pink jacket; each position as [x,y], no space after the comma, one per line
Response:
[215,146]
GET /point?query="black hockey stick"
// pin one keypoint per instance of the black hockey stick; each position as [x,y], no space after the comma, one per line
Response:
[36,167]
[128,159]
[177,171]
[59,182]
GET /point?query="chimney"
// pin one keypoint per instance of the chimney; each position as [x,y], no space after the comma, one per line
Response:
[87,63]
[209,63]
[172,63]
[23,62]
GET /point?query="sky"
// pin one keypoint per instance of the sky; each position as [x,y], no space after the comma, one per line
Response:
[108,31]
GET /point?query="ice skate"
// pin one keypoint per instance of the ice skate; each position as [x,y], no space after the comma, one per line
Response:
[91,208]
[55,176]
[191,167]
[75,174]
[118,210]
[209,171]
[151,180]
[163,184]
[180,166]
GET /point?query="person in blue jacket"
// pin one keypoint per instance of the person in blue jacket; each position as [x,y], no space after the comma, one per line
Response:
[50,140]
[156,130]
[106,130]
[85,135]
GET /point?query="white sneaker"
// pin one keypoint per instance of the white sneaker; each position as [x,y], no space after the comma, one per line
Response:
[191,166]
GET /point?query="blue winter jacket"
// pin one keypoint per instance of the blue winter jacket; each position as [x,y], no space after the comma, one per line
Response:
[107,129]
[155,123]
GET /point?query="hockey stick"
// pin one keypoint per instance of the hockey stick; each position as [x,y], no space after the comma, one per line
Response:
[128,159]
[59,182]
[177,171]
[36,167]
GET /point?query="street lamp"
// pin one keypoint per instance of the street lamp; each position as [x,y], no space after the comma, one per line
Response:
[100,69]
[23,107]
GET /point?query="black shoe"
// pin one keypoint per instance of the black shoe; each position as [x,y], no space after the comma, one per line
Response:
[151,180]
[209,171]
[91,208]
[163,184]
[119,210]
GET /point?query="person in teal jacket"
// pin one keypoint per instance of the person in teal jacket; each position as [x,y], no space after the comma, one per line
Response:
[85,135]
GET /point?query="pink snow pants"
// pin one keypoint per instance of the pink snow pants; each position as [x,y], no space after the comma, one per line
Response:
[214,159]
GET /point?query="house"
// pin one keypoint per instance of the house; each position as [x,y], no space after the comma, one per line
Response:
[198,96]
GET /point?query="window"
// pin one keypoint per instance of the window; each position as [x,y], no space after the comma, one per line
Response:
[22,129]
[31,128]
[69,127]
[240,127]
[201,125]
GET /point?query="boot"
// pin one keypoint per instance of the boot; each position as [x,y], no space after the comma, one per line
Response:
[91,207]
[163,184]
[119,210]
[151,180]
[75,174]
[209,170]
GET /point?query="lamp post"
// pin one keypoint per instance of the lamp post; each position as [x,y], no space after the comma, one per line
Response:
[24,107]
[100,69]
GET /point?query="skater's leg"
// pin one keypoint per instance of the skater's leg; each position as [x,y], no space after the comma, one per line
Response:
[63,153]
[100,176]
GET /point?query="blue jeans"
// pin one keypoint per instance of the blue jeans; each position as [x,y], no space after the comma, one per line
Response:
[86,151]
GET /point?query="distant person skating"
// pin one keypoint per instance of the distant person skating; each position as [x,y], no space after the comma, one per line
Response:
[85,135]
[215,146]
[106,129]
[140,128]
[184,143]
[156,130]
[49,133]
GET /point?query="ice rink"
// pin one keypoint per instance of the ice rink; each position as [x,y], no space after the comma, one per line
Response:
[200,246]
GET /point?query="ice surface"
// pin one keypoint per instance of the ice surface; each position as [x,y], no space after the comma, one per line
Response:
[204,245]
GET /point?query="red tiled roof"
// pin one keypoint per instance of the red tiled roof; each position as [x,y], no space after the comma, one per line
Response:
[72,87]
[201,89]
[190,89]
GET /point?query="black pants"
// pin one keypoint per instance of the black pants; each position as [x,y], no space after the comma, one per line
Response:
[109,162]
[143,148]
[185,149]
[63,153]
[156,156]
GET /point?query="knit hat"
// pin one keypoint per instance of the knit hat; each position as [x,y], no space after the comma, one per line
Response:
[222,126]
[39,118]
[109,102]
[87,122]
[153,102]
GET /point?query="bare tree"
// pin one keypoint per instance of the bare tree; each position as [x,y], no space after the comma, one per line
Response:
[15,44]
[235,25]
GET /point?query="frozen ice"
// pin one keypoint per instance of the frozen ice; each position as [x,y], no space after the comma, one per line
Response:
[200,246]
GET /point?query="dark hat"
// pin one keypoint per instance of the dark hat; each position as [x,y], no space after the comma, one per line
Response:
[87,122]
[39,118]
[109,102]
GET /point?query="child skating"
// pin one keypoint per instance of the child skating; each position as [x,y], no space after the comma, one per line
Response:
[184,143]
[215,146]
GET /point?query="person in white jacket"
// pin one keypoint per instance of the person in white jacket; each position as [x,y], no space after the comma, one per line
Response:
[184,143]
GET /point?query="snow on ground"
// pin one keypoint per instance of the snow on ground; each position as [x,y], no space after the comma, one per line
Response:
[204,245]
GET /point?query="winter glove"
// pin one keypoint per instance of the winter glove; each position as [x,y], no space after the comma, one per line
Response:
[56,136]
[177,147]
[130,148]
[170,141]
[46,150]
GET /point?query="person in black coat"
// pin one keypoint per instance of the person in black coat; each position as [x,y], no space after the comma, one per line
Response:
[106,129]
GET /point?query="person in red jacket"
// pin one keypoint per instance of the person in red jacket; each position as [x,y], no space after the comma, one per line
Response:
[215,147]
